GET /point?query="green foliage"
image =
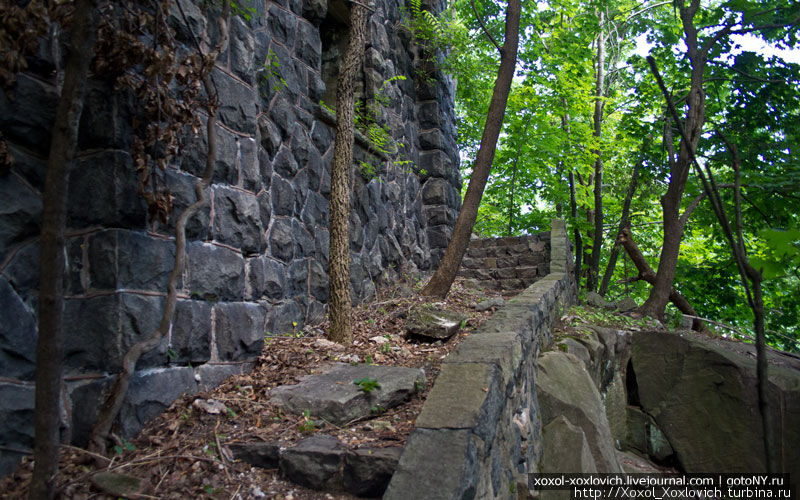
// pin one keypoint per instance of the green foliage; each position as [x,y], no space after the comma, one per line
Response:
[124,446]
[244,9]
[367,384]
[307,425]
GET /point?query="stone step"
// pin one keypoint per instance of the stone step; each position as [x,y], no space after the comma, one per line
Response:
[504,273]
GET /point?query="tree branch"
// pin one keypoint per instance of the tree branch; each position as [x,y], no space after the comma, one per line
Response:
[483,27]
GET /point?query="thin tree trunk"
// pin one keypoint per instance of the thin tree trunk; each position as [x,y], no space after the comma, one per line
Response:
[624,220]
[646,273]
[341,179]
[514,177]
[597,244]
[50,344]
[442,280]
[679,171]
[116,394]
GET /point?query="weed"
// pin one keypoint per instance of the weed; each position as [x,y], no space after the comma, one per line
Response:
[368,359]
[307,425]
[124,446]
[378,410]
[367,384]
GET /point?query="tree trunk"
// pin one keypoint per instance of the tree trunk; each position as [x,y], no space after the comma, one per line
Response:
[50,344]
[624,220]
[597,244]
[341,179]
[646,273]
[443,278]
[679,171]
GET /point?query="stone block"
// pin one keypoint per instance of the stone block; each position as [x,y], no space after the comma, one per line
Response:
[503,350]
[281,318]
[282,114]
[257,453]
[237,220]
[453,474]
[16,423]
[435,191]
[334,397]
[214,272]
[121,258]
[237,109]
[211,375]
[315,462]
[150,393]
[315,10]
[91,339]
[367,471]
[266,278]
[181,185]
[18,335]
[308,47]
[465,396]
[241,49]
[191,332]
[102,191]
[239,330]
[84,399]
[20,213]
[281,240]
[28,118]
[283,196]
[282,25]
[138,317]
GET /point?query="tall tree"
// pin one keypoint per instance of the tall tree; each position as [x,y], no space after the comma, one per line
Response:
[50,344]
[439,285]
[341,178]
[702,45]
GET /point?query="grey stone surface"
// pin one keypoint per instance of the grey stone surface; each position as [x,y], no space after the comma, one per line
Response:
[257,453]
[367,471]
[626,304]
[487,304]
[191,332]
[18,334]
[211,375]
[16,423]
[237,220]
[333,395]
[315,462]
[566,449]
[433,323]
[150,393]
[564,387]
[702,395]
[239,330]
[214,272]
[451,475]
[19,213]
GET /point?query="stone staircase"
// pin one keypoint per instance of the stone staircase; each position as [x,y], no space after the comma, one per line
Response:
[507,264]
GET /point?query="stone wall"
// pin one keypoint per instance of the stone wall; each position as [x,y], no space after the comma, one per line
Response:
[512,263]
[257,256]
[481,419]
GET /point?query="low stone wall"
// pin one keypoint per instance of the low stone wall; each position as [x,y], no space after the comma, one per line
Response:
[512,263]
[479,431]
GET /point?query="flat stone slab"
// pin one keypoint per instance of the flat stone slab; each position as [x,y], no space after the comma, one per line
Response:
[333,396]
[433,323]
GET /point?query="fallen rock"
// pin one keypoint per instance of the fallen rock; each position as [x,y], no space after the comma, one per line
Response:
[626,304]
[564,387]
[433,323]
[117,485]
[487,304]
[332,395]
[565,449]
[379,339]
[367,471]
[257,454]
[315,462]
[594,299]
[327,344]
[211,406]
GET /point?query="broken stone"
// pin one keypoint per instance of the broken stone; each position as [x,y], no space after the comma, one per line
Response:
[117,485]
[257,454]
[594,299]
[314,462]
[626,304]
[367,471]
[379,339]
[433,323]
[327,344]
[211,406]
[332,395]
[487,304]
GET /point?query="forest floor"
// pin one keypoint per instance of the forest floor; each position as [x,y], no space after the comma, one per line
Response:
[183,453]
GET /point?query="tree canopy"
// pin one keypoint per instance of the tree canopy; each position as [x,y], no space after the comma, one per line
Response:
[583,95]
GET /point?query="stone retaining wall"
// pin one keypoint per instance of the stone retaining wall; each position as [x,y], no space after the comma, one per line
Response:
[512,263]
[479,430]
[257,256]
